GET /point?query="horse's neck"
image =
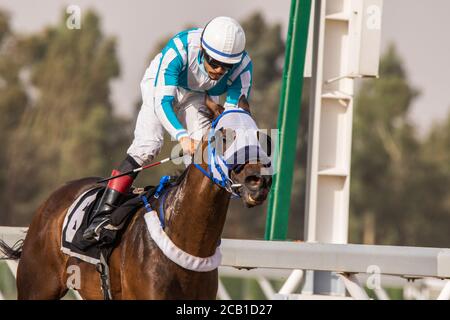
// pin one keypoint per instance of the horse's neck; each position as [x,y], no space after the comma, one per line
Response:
[196,212]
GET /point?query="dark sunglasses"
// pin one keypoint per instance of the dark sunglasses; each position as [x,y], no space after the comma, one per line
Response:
[216,64]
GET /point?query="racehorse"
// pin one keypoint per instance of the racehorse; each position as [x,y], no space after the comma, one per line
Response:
[195,212]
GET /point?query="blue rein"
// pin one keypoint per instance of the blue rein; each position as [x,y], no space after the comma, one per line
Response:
[161,191]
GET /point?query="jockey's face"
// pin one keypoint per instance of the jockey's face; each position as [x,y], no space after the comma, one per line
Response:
[214,68]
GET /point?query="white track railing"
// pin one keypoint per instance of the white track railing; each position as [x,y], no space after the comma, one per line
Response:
[263,260]
[415,264]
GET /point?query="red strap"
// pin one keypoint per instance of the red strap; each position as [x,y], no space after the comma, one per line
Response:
[121,184]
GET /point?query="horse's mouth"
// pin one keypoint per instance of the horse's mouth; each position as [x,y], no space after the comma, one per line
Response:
[254,187]
[252,200]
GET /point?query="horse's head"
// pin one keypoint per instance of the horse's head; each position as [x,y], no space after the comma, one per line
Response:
[239,156]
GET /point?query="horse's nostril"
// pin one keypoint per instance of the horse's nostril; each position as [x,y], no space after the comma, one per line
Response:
[254,182]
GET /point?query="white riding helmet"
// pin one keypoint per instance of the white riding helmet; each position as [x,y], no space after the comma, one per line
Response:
[224,40]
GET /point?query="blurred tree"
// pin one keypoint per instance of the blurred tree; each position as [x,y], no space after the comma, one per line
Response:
[434,202]
[437,145]
[13,98]
[378,155]
[396,192]
[68,131]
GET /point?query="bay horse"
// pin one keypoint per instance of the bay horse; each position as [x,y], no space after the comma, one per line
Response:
[195,212]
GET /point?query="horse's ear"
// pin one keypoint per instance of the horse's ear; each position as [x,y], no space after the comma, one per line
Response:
[243,103]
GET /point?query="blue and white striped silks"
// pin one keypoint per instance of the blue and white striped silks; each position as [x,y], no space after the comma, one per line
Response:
[180,66]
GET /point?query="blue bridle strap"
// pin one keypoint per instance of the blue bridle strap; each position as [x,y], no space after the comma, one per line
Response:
[216,181]
[225,180]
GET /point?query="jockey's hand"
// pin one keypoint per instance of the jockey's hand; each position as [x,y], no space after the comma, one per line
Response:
[189,145]
[216,109]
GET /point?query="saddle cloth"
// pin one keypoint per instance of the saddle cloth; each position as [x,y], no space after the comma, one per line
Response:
[75,222]
[78,217]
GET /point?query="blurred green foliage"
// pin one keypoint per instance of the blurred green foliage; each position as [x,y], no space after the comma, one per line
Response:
[57,118]
[7,283]
[400,191]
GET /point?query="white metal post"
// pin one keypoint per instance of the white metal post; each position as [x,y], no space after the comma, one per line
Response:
[381,294]
[354,287]
[292,283]
[339,56]
[222,292]
[266,287]
[12,265]
[445,293]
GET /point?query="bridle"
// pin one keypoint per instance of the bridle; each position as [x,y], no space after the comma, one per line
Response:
[223,179]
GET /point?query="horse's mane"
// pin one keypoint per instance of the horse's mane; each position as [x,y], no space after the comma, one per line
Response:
[179,176]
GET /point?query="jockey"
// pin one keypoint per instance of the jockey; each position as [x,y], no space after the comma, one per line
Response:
[180,89]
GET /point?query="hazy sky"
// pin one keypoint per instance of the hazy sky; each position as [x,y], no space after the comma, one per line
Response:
[419,28]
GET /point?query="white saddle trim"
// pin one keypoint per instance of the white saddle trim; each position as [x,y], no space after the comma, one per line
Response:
[171,251]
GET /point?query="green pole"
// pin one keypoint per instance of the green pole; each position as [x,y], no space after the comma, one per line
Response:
[288,120]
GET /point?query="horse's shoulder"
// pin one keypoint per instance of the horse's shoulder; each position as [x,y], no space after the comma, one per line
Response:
[137,223]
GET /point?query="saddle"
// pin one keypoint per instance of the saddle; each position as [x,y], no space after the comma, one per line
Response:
[80,213]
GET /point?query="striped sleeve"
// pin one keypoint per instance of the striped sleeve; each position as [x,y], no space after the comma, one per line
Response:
[166,82]
[241,82]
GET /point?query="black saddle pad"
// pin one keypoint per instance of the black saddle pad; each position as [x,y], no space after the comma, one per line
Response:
[79,216]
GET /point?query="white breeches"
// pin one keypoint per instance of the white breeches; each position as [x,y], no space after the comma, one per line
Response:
[149,133]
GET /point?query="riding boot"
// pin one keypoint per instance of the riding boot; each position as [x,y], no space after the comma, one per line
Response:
[112,198]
